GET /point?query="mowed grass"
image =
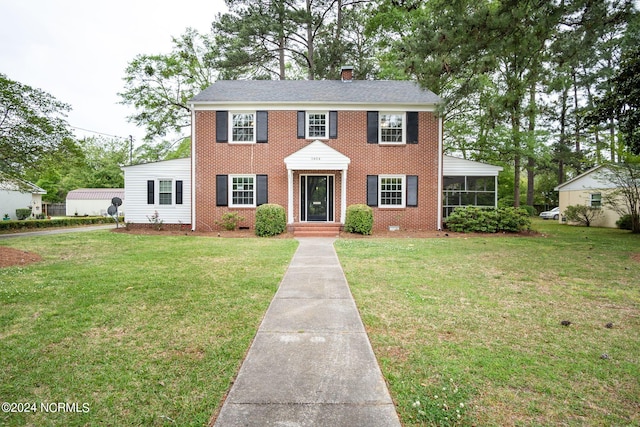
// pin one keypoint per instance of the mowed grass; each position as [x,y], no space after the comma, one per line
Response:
[142,330]
[468,331]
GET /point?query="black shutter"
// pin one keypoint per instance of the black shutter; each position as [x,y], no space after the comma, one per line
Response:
[262,190]
[333,124]
[412,190]
[178,192]
[150,192]
[262,126]
[301,124]
[372,127]
[222,184]
[372,190]
[222,128]
[412,128]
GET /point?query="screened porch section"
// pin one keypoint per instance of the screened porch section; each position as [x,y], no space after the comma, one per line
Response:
[468,183]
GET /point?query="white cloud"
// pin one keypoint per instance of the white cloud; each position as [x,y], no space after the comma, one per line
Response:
[77,50]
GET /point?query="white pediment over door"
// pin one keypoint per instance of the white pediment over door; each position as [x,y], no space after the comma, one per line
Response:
[317,156]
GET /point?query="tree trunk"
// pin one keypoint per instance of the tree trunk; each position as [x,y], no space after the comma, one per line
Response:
[531,161]
[575,110]
[515,132]
[310,42]
[563,134]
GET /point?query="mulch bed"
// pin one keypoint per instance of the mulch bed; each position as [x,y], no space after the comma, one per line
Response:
[10,257]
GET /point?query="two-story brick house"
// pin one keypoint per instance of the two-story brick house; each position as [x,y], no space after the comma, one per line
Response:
[313,147]
[316,147]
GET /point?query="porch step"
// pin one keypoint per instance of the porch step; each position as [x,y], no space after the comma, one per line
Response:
[318,229]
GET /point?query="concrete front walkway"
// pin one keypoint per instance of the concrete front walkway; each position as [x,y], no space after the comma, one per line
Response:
[311,363]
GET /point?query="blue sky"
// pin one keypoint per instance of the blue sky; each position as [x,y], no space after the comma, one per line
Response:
[77,50]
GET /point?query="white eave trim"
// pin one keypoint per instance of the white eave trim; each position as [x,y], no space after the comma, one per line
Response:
[296,106]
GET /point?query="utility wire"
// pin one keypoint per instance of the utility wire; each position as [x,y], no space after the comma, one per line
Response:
[99,133]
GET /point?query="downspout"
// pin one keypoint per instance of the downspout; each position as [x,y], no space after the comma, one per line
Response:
[193,169]
[440,160]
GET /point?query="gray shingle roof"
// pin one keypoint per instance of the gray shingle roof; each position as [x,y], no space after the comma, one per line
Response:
[314,91]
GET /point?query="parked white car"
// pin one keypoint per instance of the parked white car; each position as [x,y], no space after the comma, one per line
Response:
[552,214]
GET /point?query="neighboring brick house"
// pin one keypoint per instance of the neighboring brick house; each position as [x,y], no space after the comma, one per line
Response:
[316,147]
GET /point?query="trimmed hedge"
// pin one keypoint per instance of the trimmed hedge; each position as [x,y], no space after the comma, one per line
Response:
[52,223]
[359,219]
[270,220]
[472,219]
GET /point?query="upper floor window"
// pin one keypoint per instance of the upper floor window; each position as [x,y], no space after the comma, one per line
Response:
[392,130]
[317,125]
[596,200]
[242,127]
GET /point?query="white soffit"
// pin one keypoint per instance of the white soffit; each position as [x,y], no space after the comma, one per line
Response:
[317,156]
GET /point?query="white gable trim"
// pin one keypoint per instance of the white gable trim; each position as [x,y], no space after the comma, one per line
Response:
[317,156]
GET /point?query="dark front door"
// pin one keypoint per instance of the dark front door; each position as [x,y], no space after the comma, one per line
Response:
[317,198]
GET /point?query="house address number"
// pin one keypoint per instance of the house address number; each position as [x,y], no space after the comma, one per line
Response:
[315,158]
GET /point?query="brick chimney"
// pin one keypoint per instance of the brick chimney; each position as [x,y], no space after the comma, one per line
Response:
[346,73]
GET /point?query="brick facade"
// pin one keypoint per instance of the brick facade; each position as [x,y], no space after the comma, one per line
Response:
[213,158]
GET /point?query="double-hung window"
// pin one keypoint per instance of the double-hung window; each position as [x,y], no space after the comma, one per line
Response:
[165,191]
[317,125]
[243,191]
[243,127]
[596,200]
[391,128]
[391,191]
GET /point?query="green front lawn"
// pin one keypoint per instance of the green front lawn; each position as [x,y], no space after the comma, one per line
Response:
[135,330]
[150,330]
[468,331]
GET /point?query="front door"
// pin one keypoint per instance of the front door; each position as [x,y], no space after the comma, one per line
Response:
[317,197]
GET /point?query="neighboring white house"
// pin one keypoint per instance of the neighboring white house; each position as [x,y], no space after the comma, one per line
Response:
[18,194]
[161,187]
[93,201]
[588,189]
[468,183]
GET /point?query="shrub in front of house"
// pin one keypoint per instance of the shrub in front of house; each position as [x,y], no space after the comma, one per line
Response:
[23,213]
[472,219]
[270,220]
[583,214]
[359,219]
[625,222]
[514,220]
[230,221]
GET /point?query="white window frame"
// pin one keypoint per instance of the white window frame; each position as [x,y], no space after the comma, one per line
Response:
[381,114]
[403,204]
[231,190]
[231,127]
[171,192]
[591,200]
[326,124]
